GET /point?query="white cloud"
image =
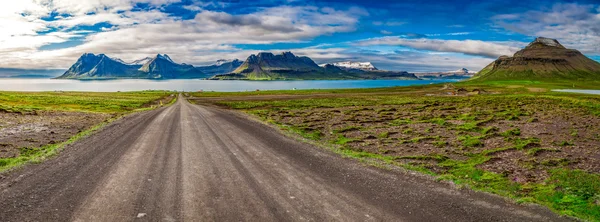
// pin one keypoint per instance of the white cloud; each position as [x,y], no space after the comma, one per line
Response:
[143,33]
[459,33]
[400,60]
[389,23]
[575,26]
[470,47]
[79,7]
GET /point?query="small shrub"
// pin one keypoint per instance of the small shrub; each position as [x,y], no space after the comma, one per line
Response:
[511,132]
[470,141]
[383,135]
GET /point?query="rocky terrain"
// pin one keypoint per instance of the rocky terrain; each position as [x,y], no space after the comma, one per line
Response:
[542,59]
[222,66]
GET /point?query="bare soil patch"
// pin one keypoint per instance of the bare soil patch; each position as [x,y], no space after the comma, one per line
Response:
[20,132]
[522,140]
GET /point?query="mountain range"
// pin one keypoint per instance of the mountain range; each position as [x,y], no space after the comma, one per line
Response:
[263,66]
[91,66]
[543,59]
[287,66]
[462,73]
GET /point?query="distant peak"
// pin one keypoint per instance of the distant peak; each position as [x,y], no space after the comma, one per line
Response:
[288,54]
[88,54]
[265,55]
[165,57]
[356,65]
[224,61]
[545,42]
[140,61]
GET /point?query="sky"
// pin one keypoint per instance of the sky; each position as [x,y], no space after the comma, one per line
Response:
[415,36]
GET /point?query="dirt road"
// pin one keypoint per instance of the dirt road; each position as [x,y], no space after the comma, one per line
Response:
[192,163]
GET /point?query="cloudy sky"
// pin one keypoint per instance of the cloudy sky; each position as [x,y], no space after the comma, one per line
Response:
[426,35]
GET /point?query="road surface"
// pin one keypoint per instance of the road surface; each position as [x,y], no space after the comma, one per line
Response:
[188,162]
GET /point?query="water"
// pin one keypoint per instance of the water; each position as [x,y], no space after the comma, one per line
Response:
[585,91]
[196,85]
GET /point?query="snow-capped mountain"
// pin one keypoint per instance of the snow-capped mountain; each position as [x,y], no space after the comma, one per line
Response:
[462,71]
[222,66]
[354,65]
[220,62]
[90,66]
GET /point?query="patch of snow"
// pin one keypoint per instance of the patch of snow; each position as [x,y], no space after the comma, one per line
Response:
[140,61]
[355,65]
[117,60]
[165,56]
[222,61]
[547,41]
[462,71]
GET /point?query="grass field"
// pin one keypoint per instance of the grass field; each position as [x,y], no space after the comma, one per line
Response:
[116,102]
[36,125]
[517,139]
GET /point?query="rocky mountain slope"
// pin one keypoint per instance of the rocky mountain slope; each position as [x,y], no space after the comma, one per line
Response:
[163,67]
[91,66]
[264,66]
[267,66]
[287,66]
[222,66]
[542,59]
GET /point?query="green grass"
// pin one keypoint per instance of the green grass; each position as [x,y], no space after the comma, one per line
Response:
[383,135]
[342,140]
[113,102]
[571,192]
[511,132]
[470,141]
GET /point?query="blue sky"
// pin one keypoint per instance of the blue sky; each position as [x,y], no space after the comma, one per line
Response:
[415,36]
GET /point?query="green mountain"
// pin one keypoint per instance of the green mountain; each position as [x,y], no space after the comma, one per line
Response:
[266,66]
[542,59]
[287,66]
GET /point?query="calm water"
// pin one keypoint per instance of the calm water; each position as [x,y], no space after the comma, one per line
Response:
[585,91]
[195,85]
